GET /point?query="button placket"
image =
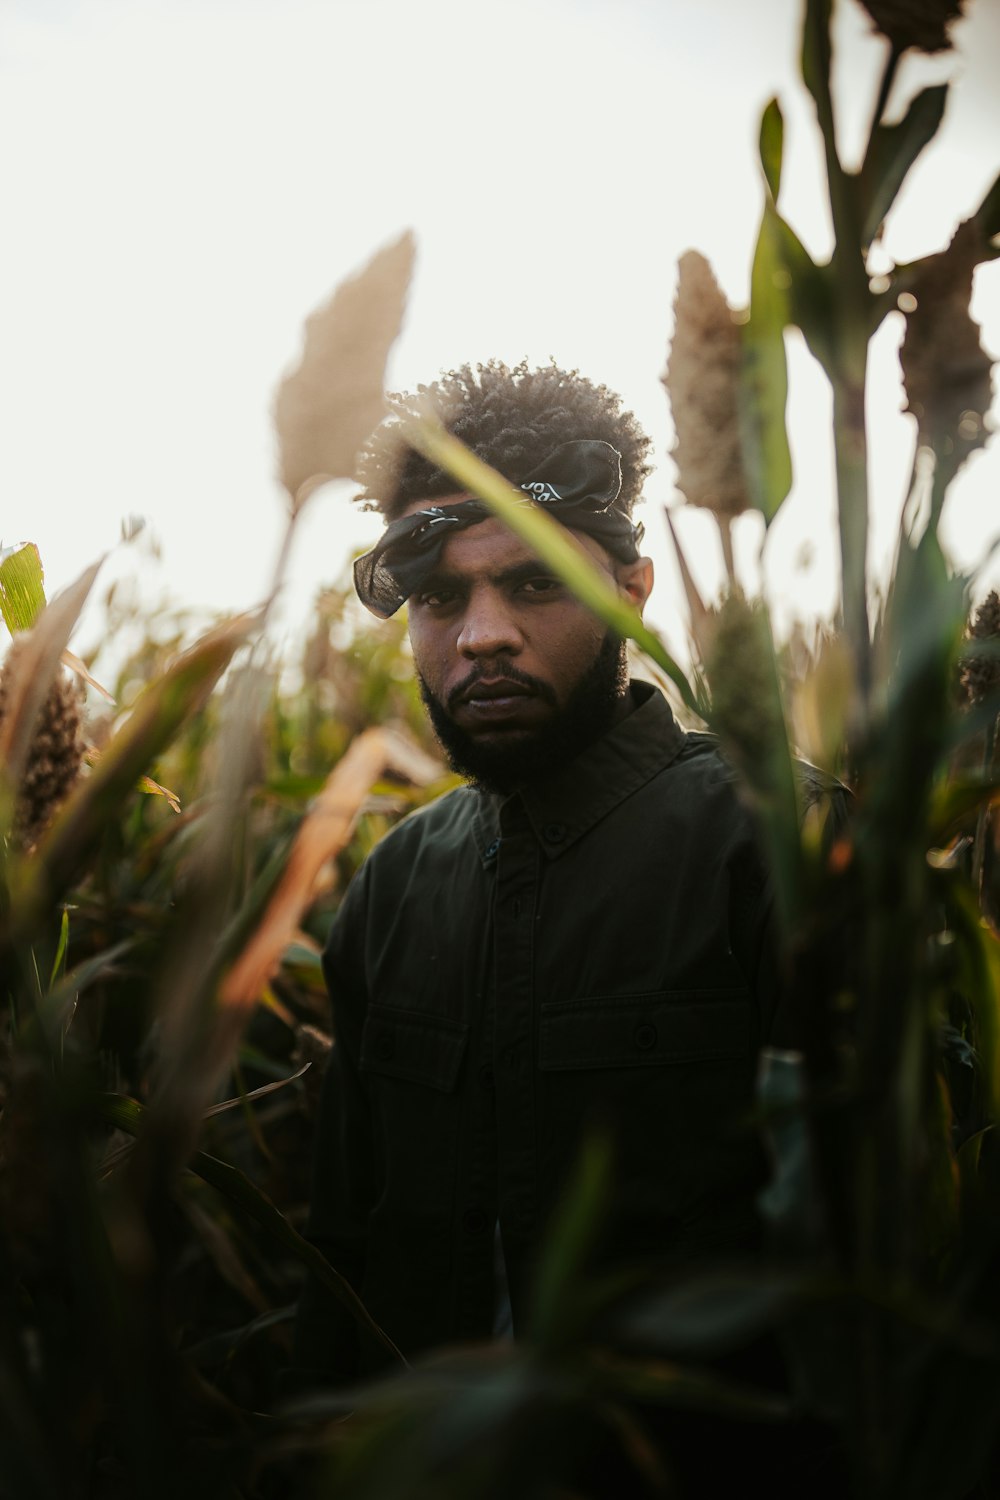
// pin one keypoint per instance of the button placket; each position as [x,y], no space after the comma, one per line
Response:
[518,872]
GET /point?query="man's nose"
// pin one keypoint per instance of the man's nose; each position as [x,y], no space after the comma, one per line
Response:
[489,627]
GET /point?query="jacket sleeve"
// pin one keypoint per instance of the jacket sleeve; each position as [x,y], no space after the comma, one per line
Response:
[344,1169]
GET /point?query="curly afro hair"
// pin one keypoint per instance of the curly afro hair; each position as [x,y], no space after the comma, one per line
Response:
[512,418]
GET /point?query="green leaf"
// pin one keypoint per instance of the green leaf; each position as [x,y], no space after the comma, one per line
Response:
[569,1242]
[125,1114]
[55,1009]
[809,293]
[892,152]
[551,541]
[772,138]
[764,382]
[61,947]
[22,587]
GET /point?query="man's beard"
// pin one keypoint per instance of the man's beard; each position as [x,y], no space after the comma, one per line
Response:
[505,763]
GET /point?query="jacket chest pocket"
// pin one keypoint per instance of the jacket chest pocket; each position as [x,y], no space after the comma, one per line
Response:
[660,1029]
[411,1064]
[669,1076]
[416,1048]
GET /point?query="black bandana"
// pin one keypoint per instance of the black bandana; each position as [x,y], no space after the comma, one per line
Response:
[578,483]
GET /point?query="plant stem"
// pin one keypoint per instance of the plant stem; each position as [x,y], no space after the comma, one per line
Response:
[851,447]
[726,534]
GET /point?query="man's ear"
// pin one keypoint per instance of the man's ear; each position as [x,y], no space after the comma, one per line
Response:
[635,580]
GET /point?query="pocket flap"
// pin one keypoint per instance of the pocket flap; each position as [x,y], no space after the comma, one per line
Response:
[666,1026]
[405,1044]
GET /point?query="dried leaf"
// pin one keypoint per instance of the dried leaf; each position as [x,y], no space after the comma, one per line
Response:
[946,372]
[258,1093]
[323,834]
[329,404]
[697,609]
[74,664]
[821,700]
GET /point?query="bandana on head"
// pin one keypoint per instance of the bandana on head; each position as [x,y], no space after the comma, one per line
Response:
[578,483]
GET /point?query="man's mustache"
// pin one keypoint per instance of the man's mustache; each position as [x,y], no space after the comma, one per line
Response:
[514,675]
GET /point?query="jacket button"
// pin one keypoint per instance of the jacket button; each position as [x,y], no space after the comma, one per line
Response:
[473,1221]
[385,1045]
[644,1037]
[491,849]
[486,1076]
[554,833]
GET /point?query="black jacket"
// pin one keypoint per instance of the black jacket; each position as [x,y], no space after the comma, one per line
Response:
[593,951]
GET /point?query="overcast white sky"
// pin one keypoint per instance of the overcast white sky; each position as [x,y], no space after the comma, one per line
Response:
[184,180]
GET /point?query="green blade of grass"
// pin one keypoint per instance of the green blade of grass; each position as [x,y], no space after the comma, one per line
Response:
[764,375]
[893,150]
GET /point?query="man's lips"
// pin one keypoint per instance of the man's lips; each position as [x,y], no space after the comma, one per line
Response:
[496,701]
[502,687]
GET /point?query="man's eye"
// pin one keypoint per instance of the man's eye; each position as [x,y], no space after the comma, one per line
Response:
[540,585]
[436,598]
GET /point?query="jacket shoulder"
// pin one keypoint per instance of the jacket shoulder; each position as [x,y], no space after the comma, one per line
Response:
[447,820]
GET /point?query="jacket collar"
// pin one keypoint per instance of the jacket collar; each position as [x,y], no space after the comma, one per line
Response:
[561,808]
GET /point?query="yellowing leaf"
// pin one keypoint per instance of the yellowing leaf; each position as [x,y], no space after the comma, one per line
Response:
[329,404]
[322,835]
[147,784]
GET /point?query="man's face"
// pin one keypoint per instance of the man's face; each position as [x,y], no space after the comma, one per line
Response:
[517,675]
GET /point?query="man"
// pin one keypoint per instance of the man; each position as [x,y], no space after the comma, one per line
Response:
[577,939]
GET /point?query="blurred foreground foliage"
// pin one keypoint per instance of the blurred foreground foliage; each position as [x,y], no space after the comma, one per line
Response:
[160,931]
[145,1313]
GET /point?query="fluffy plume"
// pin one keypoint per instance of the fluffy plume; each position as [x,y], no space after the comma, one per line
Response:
[55,756]
[946,371]
[329,404]
[915,23]
[703,383]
